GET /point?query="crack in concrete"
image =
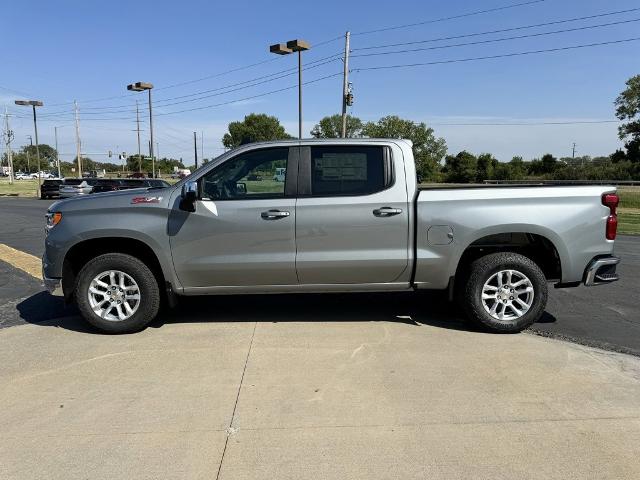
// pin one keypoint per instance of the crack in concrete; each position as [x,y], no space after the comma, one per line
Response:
[231,430]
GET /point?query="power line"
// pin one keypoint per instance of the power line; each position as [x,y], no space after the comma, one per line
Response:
[200,95]
[201,79]
[496,40]
[453,17]
[250,97]
[503,30]
[490,57]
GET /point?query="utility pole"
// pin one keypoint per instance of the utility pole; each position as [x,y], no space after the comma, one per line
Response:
[195,148]
[202,145]
[345,83]
[573,155]
[8,137]
[158,155]
[138,130]
[55,130]
[78,149]
[28,157]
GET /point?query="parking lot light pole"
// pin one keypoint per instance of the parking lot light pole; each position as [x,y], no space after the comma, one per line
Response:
[285,49]
[34,104]
[140,87]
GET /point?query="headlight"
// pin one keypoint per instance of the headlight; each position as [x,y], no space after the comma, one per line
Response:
[53,218]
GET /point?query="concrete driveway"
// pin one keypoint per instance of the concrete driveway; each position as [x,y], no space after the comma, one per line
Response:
[295,396]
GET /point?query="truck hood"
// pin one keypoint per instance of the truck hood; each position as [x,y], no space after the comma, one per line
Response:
[118,199]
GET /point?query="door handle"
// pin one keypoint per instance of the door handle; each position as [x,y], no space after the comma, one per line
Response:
[387,212]
[274,215]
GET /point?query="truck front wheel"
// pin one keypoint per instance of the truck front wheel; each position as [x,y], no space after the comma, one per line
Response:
[504,292]
[117,293]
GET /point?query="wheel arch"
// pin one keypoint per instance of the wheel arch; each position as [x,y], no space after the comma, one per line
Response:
[543,247]
[85,250]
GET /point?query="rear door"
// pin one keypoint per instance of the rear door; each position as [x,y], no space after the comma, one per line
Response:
[352,215]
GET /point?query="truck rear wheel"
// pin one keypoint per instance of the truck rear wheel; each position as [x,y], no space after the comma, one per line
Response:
[117,293]
[504,292]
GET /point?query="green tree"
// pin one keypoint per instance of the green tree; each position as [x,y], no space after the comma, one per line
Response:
[428,150]
[504,171]
[628,109]
[256,127]
[485,167]
[26,159]
[462,168]
[517,169]
[331,127]
[549,163]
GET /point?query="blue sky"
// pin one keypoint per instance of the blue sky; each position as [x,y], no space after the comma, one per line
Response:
[65,50]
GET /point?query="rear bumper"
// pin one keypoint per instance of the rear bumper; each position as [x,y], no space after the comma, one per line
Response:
[601,270]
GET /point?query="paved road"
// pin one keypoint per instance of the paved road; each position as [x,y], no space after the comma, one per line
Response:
[607,317]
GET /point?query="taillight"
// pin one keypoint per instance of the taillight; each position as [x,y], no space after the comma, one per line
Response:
[612,201]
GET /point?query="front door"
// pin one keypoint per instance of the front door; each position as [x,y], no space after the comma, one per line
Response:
[243,230]
[352,215]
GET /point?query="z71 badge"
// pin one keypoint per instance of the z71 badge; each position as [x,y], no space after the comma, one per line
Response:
[137,200]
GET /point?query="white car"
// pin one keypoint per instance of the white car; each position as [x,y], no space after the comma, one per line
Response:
[43,175]
[23,176]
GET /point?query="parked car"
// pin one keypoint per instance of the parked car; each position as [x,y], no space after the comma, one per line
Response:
[101,185]
[350,217]
[51,188]
[72,187]
[156,183]
[138,175]
[23,176]
[43,175]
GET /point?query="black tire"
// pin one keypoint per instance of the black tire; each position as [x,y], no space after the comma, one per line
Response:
[483,269]
[143,276]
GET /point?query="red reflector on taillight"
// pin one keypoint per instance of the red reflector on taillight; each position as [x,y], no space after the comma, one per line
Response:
[612,227]
[611,200]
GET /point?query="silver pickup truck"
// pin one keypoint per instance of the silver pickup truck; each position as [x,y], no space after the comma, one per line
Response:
[327,216]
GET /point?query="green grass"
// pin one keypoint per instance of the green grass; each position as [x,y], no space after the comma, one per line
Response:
[263,186]
[20,188]
[629,197]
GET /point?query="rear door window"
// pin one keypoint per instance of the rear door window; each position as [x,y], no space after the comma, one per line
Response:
[348,170]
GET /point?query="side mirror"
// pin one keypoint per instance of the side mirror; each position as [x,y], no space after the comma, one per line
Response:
[189,196]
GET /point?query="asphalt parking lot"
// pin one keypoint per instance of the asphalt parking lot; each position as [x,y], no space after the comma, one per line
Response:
[313,386]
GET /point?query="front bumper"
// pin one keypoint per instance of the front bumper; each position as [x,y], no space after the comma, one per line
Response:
[53,286]
[601,270]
